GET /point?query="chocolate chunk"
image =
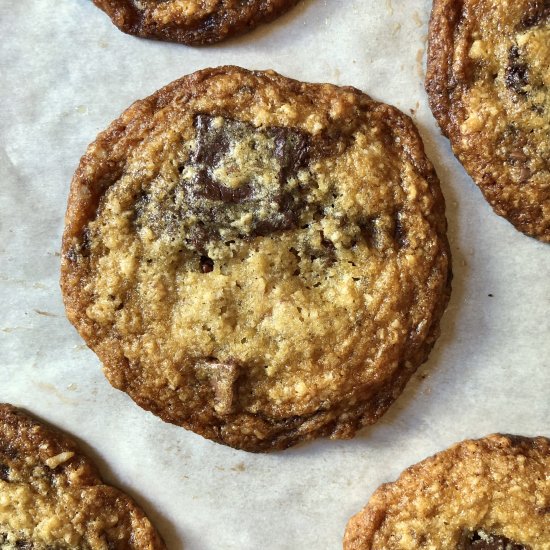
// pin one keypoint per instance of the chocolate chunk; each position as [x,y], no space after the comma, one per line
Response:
[479,540]
[216,136]
[517,73]
[292,149]
[223,378]
[369,231]
[4,472]
[538,12]
[212,142]
[209,189]
[207,264]
[400,233]
[24,544]
[266,199]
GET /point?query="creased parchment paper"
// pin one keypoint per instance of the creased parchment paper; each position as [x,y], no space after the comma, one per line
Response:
[66,72]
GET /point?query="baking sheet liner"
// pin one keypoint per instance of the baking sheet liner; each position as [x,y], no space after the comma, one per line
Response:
[66,73]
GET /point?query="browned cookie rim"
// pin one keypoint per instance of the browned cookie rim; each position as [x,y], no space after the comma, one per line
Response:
[85,196]
[211,29]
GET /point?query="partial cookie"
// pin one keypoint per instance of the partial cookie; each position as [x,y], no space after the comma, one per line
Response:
[51,496]
[489,87]
[191,22]
[488,494]
[260,260]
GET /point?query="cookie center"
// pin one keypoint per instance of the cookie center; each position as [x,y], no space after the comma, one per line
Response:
[480,540]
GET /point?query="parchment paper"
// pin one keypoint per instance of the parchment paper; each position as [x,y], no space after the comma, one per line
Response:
[66,72]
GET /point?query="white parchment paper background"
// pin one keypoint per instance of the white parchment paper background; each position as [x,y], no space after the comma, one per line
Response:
[66,72]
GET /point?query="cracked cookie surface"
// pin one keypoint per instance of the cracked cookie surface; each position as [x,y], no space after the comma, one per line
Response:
[487,494]
[192,22]
[260,260]
[488,81]
[52,498]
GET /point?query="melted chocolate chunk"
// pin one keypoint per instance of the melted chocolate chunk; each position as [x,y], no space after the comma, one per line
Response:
[478,540]
[209,189]
[217,206]
[537,13]
[292,149]
[223,379]
[517,73]
[240,182]
[213,142]
[24,545]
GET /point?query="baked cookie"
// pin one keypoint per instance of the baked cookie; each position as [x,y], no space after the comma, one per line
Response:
[191,22]
[260,260]
[51,496]
[489,494]
[488,82]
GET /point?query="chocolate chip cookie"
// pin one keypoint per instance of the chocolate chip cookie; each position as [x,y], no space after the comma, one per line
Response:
[52,498]
[488,82]
[488,494]
[191,22]
[260,260]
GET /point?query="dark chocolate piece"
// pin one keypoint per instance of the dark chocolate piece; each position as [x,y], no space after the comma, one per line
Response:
[207,264]
[517,73]
[479,540]
[223,379]
[4,472]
